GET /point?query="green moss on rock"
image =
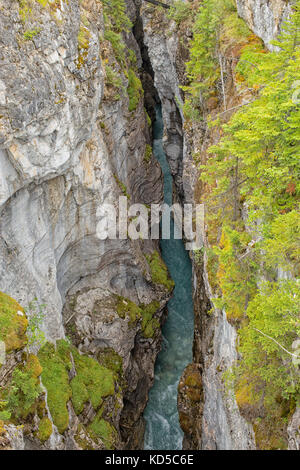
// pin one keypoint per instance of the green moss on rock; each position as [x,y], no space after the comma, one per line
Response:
[56,380]
[117,44]
[109,359]
[122,186]
[84,36]
[102,429]
[126,307]
[93,382]
[159,271]
[13,323]
[21,393]
[149,324]
[45,429]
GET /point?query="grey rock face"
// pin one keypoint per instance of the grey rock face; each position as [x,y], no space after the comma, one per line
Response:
[58,164]
[264,17]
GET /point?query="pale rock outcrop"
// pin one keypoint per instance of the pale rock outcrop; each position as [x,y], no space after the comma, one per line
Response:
[264,17]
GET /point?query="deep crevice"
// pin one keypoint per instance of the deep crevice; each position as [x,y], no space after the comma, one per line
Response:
[151,98]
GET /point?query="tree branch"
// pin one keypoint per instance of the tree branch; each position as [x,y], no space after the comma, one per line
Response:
[270,337]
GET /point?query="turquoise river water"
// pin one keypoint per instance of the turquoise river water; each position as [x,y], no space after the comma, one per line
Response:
[163,431]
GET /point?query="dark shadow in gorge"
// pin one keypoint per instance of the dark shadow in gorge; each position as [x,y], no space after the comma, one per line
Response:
[172,116]
[151,97]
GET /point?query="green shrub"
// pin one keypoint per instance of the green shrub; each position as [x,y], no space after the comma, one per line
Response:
[24,390]
[134,90]
[126,307]
[148,152]
[92,382]
[117,44]
[114,80]
[29,35]
[150,324]
[109,359]
[35,313]
[122,186]
[179,11]
[13,323]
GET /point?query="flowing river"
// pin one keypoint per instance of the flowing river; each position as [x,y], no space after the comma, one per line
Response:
[163,431]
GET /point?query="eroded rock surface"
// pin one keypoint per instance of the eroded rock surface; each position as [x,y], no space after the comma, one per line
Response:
[67,146]
[264,17]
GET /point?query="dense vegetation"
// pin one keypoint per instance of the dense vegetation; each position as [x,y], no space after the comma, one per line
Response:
[250,184]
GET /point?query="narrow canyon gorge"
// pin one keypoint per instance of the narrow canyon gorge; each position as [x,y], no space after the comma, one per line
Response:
[119,343]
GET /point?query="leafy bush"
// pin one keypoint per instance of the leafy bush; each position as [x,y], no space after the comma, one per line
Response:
[117,44]
[179,11]
[24,388]
[256,164]
[13,323]
[134,90]
[115,12]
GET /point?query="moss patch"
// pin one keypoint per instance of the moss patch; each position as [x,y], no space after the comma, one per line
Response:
[29,35]
[117,44]
[33,366]
[149,324]
[148,153]
[81,438]
[159,271]
[56,380]
[13,323]
[83,37]
[126,307]
[102,429]
[45,429]
[109,359]
[122,186]
[21,393]
[93,382]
